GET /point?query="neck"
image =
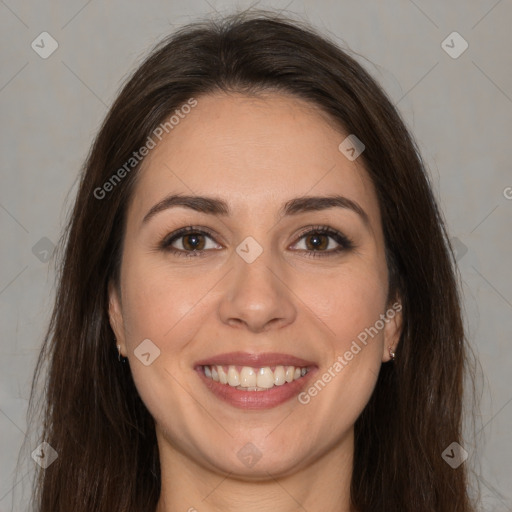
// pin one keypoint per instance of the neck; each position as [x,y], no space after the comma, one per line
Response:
[322,485]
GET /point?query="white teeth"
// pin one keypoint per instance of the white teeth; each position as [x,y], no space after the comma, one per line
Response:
[223,378]
[248,377]
[265,378]
[280,376]
[254,379]
[233,377]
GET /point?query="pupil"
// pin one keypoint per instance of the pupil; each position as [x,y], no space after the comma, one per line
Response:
[192,242]
[316,241]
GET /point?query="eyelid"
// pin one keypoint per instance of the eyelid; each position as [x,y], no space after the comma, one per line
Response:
[343,241]
[169,239]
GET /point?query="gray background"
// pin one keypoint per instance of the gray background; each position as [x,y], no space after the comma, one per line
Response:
[459,109]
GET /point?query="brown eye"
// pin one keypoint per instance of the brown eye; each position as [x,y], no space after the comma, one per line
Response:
[193,242]
[189,241]
[317,241]
[323,241]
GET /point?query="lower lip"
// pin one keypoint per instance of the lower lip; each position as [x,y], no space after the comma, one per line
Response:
[256,399]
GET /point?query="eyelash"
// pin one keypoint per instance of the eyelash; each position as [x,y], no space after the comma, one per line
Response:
[344,242]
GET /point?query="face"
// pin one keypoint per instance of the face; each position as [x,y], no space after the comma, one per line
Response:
[256,335]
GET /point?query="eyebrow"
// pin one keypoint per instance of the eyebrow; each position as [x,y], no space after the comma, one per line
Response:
[294,206]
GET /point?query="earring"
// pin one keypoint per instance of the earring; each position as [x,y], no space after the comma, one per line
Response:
[119,353]
[392,354]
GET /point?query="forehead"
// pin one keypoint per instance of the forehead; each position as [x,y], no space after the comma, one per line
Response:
[254,152]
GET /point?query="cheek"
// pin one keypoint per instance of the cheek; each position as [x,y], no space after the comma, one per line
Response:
[351,306]
[157,303]
[348,302]
[159,307]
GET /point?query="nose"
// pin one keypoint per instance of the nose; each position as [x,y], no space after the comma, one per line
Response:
[256,295]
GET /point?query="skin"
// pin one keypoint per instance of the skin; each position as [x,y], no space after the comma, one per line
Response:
[255,153]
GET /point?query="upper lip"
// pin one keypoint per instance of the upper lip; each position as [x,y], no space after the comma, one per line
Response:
[255,360]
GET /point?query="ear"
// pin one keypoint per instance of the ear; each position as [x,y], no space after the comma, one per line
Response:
[392,329]
[115,314]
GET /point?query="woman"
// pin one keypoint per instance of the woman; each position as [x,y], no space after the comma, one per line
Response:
[257,306]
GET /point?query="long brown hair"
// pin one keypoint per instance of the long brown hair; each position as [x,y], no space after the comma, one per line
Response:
[93,416]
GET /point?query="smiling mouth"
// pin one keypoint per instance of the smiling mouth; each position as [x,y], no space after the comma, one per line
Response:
[247,378]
